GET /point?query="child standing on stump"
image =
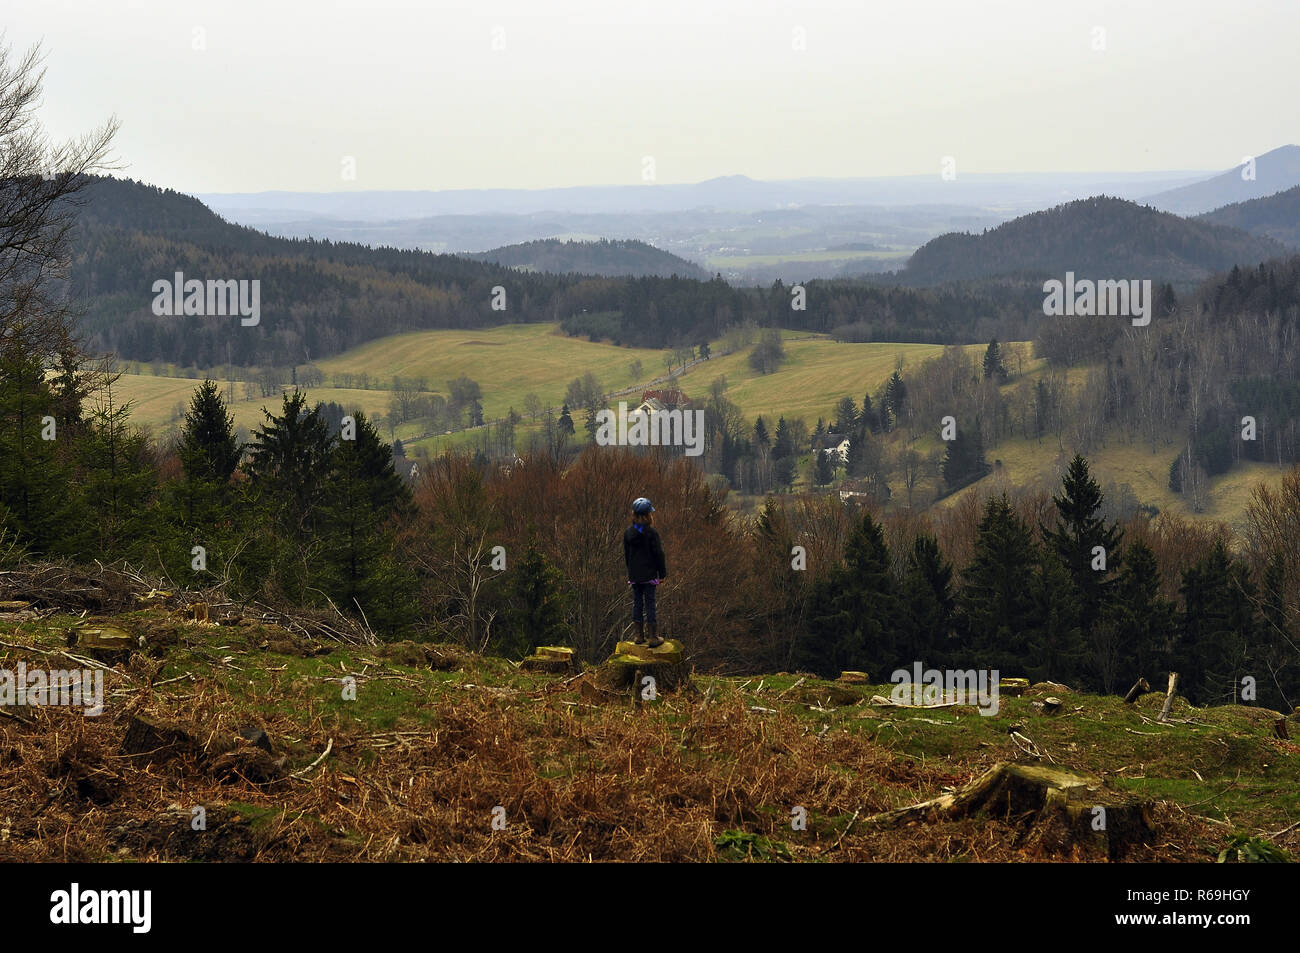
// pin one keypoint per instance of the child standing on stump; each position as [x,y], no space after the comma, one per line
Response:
[644,555]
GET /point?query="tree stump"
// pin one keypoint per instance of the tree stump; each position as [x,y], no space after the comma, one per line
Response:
[630,663]
[1012,687]
[1077,803]
[104,643]
[1140,687]
[555,659]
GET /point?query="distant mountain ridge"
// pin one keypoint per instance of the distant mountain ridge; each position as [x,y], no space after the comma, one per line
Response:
[605,257]
[1274,171]
[1275,216]
[1097,237]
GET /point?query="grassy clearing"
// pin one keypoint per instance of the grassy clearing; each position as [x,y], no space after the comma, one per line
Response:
[421,758]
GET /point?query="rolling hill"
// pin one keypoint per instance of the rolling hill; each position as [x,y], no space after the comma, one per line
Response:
[1275,216]
[1099,237]
[1275,171]
[605,257]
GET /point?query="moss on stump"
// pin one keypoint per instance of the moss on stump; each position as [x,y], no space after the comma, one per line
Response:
[1065,808]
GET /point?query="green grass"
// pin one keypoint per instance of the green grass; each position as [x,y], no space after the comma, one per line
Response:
[513,361]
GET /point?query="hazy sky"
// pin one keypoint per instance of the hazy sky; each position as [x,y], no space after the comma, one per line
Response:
[246,95]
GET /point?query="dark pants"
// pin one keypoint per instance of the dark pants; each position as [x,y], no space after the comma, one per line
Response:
[643,594]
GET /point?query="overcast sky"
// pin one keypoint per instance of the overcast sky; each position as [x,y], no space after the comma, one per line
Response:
[246,95]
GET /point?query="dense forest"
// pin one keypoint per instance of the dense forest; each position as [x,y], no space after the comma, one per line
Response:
[319,298]
[1274,216]
[606,257]
[1096,238]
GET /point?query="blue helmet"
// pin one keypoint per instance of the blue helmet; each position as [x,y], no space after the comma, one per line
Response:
[641,506]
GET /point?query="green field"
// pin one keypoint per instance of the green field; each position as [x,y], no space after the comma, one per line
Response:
[513,361]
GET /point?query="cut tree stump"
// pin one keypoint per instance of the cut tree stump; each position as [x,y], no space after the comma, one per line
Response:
[1279,729]
[664,664]
[1077,804]
[104,643]
[1140,688]
[555,659]
[1012,687]
[853,678]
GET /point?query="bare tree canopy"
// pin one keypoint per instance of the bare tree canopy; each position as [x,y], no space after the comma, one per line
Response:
[39,186]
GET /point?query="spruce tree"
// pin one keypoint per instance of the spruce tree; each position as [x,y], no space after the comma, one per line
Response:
[1078,532]
[926,604]
[288,461]
[963,459]
[846,416]
[118,476]
[823,469]
[1140,615]
[1055,637]
[997,611]
[853,609]
[208,447]
[357,565]
[37,486]
[1218,627]
[995,368]
[534,605]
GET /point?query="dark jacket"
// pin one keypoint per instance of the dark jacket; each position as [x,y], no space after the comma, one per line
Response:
[644,554]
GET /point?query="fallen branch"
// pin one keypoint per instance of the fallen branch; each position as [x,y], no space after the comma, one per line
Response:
[329,746]
[884,702]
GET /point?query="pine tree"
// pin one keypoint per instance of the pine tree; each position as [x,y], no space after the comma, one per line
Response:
[783,446]
[927,603]
[870,419]
[36,476]
[288,460]
[208,449]
[1219,627]
[846,416]
[963,459]
[995,368]
[997,611]
[1079,530]
[891,404]
[853,610]
[1055,638]
[761,439]
[566,421]
[1138,612]
[118,476]
[534,605]
[823,470]
[357,565]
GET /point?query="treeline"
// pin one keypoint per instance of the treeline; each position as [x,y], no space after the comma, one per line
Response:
[313,513]
[318,298]
[1217,371]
